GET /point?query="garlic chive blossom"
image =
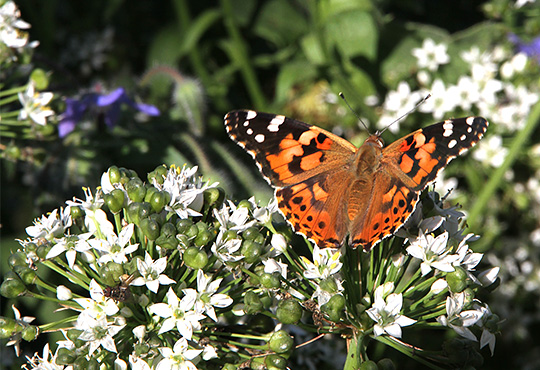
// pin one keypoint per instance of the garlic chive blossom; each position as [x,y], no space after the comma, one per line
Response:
[386,313]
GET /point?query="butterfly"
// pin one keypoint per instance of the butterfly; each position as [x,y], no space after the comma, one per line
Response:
[328,189]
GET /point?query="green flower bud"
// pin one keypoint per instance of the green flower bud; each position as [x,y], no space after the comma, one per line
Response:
[274,361]
[43,250]
[114,174]
[329,285]
[158,201]
[368,365]
[257,363]
[115,200]
[230,234]
[183,225]
[386,364]
[251,233]
[158,174]
[334,307]
[138,211]
[141,348]
[136,190]
[192,232]
[213,197]
[168,229]
[158,217]
[111,272]
[252,303]
[244,204]
[251,251]
[7,327]
[469,298]
[195,258]
[29,333]
[150,228]
[73,335]
[281,342]
[40,78]
[457,280]
[270,281]
[17,259]
[12,288]
[289,311]
[27,275]
[82,363]
[65,356]
[203,238]
[76,212]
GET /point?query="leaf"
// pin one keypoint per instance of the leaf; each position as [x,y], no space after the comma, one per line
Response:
[291,74]
[280,23]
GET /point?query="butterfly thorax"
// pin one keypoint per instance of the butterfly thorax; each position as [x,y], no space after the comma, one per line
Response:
[368,156]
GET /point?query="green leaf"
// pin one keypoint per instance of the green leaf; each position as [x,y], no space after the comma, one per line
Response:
[353,33]
[292,74]
[280,23]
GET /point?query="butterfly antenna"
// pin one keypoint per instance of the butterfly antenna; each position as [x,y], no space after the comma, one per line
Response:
[352,110]
[407,113]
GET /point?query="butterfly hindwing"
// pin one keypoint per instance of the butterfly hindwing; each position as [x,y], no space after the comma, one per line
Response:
[422,154]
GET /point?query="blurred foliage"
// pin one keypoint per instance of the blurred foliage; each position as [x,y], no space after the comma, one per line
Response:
[196,61]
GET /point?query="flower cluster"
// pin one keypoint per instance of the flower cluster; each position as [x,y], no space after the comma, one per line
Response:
[170,274]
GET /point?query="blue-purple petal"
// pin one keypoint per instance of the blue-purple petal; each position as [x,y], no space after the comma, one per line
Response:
[111,98]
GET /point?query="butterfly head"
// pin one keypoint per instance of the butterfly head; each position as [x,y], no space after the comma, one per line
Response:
[375,139]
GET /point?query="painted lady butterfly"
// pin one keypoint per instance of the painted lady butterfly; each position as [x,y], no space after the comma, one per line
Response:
[327,188]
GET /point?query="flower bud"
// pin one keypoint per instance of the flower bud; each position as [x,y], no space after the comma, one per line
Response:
[251,251]
[252,303]
[386,364]
[150,228]
[29,333]
[274,361]
[368,365]
[12,288]
[457,280]
[195,258]
[27,275]
[7,327]
[114,174]
[270,281]
[63,293]
[136,190]
[334,307]
[65,356]
[158,200]
[280,342]
[17,259]
[213,197]
[289,311]
[76,212]
[251,233]
[183,225]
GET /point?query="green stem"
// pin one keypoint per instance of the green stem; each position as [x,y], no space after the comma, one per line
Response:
[478,208]
[13,90]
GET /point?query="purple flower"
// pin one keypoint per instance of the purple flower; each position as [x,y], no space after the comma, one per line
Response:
[531,49]
[109,104]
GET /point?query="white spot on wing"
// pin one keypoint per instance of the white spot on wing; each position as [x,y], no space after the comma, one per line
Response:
[452,143]
[259,138]
[251,114]
[246,123]
[448,127]
[249,131]
[462,137]
[469,120]
[275,123]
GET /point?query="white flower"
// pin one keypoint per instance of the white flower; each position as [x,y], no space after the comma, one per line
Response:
[489,324]
[34,105]
[271,265]
[97,305]
[386,314]
[71,244]
[52,226]
[488,276]
[233,218]
[207,298]
[138,363]
[466,257]
[325,263]
[515,65]
[98,332]
[178,313]
[433,252]
[178,358]
[324,291]
[227,249]
[396,104]
[457,319]
[442,99]
[43,362]
[279,245]
[431,55]
[468,92]
[185,190]
[438,286]
[151,273]
[10,24]
[115,248]
[491,151]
